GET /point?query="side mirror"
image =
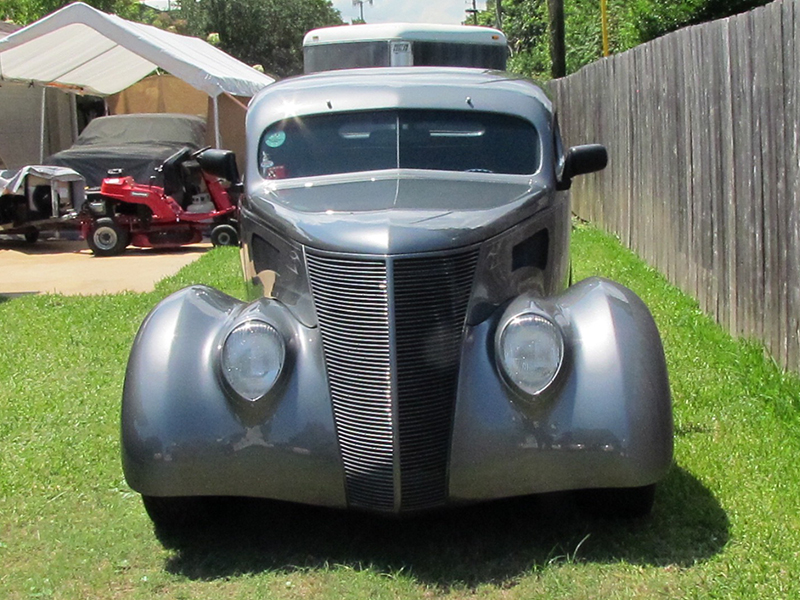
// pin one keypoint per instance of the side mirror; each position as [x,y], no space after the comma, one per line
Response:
[580,160]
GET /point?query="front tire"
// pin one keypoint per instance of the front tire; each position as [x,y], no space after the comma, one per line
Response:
[107,238]
[178,513]
[225,235]
[624,503]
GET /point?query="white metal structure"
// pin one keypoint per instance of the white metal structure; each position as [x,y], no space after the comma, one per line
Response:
[82,49]
[403,45]
[85,49]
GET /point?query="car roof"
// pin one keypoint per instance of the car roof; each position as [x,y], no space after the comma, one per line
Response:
[439,88]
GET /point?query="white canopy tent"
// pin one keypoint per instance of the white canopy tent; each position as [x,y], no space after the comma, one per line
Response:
[86,50]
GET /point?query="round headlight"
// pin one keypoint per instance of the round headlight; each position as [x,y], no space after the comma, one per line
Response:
[252,359]
[530,352]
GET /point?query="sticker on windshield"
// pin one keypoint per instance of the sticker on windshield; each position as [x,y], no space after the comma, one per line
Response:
[275,140]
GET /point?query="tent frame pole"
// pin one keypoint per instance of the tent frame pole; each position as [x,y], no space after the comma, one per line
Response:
[73,117]
[236,100]
[217,137]
[43,116]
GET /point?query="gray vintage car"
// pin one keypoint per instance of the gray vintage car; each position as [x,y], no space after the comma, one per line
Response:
[415,343]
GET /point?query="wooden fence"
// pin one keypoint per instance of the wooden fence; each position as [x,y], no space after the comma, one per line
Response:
[702,128]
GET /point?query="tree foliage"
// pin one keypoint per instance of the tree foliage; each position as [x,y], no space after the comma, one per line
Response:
[24,12]
[631,22]
[525,26]
[266,32]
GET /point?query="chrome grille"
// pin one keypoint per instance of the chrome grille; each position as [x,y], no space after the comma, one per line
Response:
[393,402]
[353,311]
[431,297]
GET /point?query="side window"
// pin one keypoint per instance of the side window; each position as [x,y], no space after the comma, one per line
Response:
[345,55]
[452,54]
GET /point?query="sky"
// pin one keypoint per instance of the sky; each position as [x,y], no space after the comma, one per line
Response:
[409,11]
[387,11]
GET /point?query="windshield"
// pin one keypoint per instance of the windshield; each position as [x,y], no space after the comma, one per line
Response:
[368,141]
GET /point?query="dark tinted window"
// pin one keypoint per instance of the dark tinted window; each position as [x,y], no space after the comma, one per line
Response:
[430,54]
[367,141]
[326,144]
[349,55]
[467,141]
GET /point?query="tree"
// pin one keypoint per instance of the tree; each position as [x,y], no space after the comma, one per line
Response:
[266,32]
[525,26]
[631,22]
[24,12]
[654,18]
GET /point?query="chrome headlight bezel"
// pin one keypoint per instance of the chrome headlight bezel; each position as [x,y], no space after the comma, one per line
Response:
[239,339]
[548,332]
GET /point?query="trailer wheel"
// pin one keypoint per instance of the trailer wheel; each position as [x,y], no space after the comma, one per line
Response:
[225,235]
[43,200]
[107,238]
[31,236]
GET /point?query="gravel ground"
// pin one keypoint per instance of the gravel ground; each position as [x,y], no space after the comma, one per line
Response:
[69,267]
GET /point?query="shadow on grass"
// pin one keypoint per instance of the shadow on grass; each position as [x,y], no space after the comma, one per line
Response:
[9,296]
[494,542]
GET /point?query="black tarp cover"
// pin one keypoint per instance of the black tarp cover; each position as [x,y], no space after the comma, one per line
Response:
[137,144]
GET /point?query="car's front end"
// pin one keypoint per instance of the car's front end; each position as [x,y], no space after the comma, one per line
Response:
[414,344]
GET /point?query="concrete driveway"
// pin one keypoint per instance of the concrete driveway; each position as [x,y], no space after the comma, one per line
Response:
[69,267]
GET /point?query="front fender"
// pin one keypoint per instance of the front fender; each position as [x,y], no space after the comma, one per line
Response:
[605,422]
[184,435]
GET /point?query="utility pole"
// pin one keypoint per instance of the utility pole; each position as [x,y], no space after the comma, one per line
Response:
[555,8]
[498,17]
[360,4]
[604,23]
[474,12]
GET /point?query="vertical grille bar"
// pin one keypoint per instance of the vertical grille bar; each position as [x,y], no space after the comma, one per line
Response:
[431,298]
[352,307]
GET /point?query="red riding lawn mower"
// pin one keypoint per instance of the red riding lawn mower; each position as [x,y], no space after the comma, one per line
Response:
[199,195]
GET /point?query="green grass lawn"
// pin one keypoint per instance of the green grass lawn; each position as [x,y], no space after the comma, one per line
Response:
[726,522]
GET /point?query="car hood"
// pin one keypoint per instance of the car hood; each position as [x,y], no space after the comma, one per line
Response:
[398,214]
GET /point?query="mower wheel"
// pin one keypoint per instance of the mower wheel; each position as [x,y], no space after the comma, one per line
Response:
[107,238]
[225,235]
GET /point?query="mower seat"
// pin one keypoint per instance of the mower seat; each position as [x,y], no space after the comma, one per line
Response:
[171,173]
[220,163]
